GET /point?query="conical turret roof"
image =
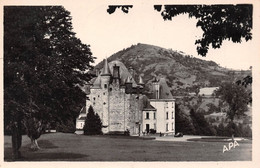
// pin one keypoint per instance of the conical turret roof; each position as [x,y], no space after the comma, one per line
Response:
[128,80]
[141,82]
[105,71]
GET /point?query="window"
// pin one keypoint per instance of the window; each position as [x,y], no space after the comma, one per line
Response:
[110,89]
[147,115]
[167,115]
[172,126]
[154,115]
[105,86]
[94,98]
[167,127]
[172,115]
[104,93]
[154,126]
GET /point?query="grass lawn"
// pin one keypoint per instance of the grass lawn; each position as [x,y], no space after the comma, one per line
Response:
[72,147]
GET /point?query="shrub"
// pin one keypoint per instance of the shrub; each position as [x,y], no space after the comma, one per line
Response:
[93,124]
[200,124]
[68,127]
[127,132]
[182,123]
[152,131]
[239,130]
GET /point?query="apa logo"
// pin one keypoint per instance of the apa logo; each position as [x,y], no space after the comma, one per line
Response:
[230,145]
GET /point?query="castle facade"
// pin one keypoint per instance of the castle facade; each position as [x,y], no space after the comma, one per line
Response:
[122,105]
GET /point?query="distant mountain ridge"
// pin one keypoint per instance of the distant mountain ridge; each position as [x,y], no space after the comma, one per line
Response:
[183,73]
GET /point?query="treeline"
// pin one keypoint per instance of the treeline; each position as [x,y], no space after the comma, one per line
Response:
[196,124]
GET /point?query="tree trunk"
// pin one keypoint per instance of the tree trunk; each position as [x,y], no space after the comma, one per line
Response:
[16,140]
[34,144]
[233,131]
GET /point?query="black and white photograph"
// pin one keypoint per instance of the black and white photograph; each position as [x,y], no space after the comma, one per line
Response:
[130,82]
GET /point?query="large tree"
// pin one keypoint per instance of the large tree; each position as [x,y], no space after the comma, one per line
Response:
[236,97]
[44,65]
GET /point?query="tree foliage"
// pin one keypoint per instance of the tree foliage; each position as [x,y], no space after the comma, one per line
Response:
[93,124]
[182,123]
[218,22]
[236,97]
[202,127]
[44,65]
[247,83]
[238,130]
[112,8]
[66,127]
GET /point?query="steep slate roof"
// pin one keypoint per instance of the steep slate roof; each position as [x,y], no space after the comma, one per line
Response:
[165,92]
[146,104]
[124,73]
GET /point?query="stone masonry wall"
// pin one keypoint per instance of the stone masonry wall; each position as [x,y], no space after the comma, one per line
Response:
[116,109]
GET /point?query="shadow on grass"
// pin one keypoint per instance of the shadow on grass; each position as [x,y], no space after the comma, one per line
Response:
[44,144]
[35,156]
[59,156]
[44,154]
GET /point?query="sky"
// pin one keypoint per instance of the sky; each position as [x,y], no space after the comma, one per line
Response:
[107,34]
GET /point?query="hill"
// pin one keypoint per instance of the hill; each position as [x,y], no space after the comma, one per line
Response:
[183,73]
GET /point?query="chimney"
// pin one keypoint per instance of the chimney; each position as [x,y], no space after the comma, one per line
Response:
[156,88]
[128,85]
[116,74]
[132,72]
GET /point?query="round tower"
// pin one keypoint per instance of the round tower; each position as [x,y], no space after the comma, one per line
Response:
[105,81]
